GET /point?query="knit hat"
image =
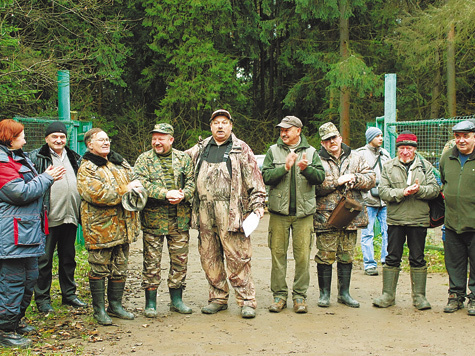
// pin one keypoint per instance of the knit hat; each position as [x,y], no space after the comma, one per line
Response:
[406,138]
[371,133]
[56,126]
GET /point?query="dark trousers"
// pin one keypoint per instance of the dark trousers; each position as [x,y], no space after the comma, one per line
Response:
[416,240]
[17,279]
[63,237]
[459,250]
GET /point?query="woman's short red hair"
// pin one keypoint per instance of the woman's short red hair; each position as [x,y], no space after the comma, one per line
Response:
[9,130]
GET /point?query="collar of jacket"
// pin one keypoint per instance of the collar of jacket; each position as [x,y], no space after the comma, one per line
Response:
[236,143]
[303,143]
[17,155]
[455,154]
[99,161]
[345,152]
[375,150]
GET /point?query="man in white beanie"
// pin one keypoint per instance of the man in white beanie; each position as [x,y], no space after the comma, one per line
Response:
[376,156]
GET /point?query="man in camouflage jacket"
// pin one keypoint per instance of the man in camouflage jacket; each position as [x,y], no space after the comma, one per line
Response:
[229,187]
[167,174]
[345,171]
[108,229]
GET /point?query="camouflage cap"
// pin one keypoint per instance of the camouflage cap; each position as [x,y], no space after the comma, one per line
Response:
[290,121]
[163,128]
[328,130]
[135,199]
[221,112]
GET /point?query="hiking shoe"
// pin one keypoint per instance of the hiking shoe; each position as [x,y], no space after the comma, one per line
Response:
[300,306]
[471,307]
[455,303]
[372,271]
[278,305]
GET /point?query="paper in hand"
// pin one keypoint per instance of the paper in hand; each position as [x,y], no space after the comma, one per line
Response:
[250,224]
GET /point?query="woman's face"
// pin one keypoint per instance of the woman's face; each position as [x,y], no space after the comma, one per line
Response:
[19,141]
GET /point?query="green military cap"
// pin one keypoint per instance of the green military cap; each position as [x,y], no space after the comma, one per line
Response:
[163,128]
[328,130]
[135,199]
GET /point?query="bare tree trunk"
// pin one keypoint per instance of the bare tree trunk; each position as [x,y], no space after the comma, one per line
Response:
[345,93]
[451,98]
[435,103]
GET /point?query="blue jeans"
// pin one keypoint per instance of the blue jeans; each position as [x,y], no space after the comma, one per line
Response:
[367,236]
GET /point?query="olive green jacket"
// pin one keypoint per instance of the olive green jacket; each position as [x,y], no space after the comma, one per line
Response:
[412,210]
[459,191]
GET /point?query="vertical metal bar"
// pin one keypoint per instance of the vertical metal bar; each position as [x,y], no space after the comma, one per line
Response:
[389,112]
[64,109]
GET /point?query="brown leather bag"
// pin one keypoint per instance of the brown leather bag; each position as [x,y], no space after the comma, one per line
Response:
[344,213]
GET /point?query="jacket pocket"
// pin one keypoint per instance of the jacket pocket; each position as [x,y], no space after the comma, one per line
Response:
[27,231]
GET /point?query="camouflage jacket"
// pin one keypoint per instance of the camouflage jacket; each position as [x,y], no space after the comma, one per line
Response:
[329,193]
[248,190]
[101,184]
[150,173]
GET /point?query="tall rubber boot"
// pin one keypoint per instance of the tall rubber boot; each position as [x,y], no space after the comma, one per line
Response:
[418,282]
[324,273]
[115,292]
[177,301]
[390,278]
[98,301]
[150,303]
[12,339]
[344,278]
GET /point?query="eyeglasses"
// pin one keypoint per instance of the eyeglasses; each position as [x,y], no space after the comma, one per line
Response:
[103,140]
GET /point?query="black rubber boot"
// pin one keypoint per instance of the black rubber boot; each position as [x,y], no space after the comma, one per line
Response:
[150,303]
[12,339]
[390,278]
[98,301]
[177,302]
[344,278]
[418,281]
[324,284]
[115,292]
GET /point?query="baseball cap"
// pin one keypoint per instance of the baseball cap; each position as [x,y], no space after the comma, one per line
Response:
[163,128]
[290,121]
[221,112]
[328,130]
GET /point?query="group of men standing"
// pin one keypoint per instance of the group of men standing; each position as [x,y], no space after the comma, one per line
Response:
[215,185]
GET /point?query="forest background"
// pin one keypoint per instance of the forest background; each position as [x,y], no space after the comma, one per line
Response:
[134,63]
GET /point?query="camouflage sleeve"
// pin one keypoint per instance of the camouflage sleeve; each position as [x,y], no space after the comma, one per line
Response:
[189,188]
[252,179]
[365,176]
[98,188]
[143,168]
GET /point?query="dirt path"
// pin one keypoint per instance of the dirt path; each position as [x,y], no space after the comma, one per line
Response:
[337,330]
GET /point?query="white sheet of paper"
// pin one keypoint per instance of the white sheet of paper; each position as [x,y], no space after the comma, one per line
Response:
[250,224]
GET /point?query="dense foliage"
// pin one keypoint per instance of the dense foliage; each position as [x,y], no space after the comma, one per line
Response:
[137,62]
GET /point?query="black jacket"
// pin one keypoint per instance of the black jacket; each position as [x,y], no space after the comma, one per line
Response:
[41,157]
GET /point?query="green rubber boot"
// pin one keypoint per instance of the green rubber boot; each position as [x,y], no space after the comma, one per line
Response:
[98,301]
[390,278]
[344,278]
[418,282]
[115,292]
[177,302]
[324,284]
[150,303]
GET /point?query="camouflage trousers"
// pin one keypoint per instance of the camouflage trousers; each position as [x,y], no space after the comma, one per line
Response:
[109,262]
[178,244]
[335,245]
[216,243]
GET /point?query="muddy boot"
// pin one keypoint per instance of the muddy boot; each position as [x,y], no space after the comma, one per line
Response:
[115,292]
[390,278]
[324,284]
[177,301]
[98,301]
[418,282]
[344,278]
[150,303]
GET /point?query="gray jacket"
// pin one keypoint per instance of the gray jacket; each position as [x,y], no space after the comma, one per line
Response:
[371,154]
